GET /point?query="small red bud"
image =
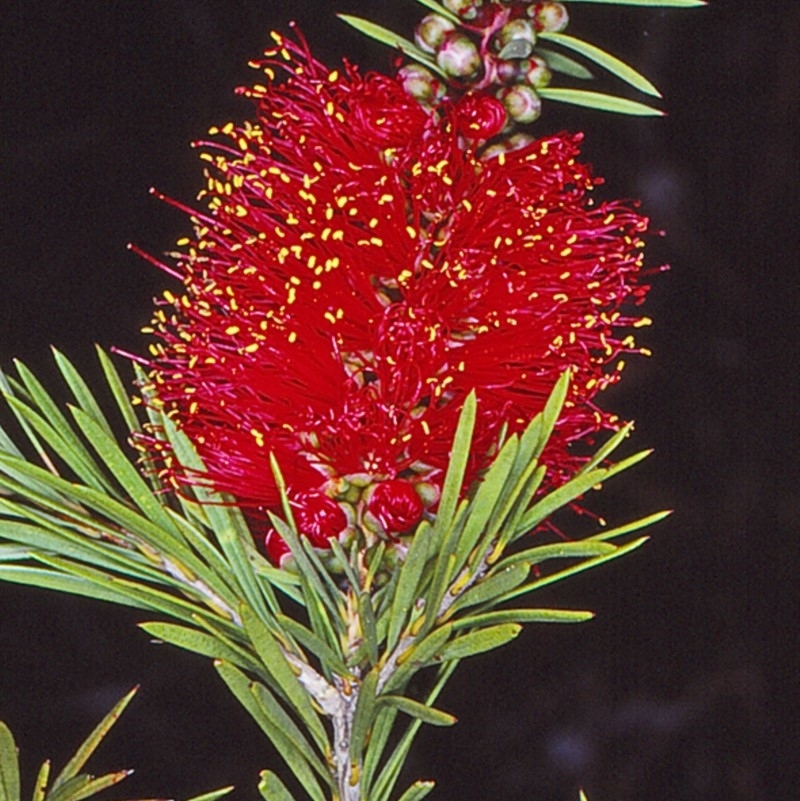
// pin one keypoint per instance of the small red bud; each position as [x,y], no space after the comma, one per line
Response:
[319,518]
[276,548]
[396,505]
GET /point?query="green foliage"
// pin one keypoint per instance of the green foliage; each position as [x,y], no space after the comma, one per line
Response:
[70,784]
[556,60]
[83,521]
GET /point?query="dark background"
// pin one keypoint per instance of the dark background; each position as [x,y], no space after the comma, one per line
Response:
[685,686]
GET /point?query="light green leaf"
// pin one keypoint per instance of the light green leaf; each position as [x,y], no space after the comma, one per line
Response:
[427,714]
[599,101]
[80,391]
[611,63]
[392,39]
[199,642]
[272,788]
[287,737]
[499,583]
[9,765]
[418,790]
[649,3]
[477,642]
[439,9]
[577,549]
[558,62]
[620,531]
[523,616]
[40,785]
[119,391]
[417,656]
[364,716]
[459,456]
[276,664]
[241,686]
[94,739]
[213,795]
[84,785]
[408,582]
[311,642]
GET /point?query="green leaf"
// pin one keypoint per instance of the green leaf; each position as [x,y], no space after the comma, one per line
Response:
[364,716]
[588,564]
[599,101]
[418,790]
[213,795]
[286,735]
[83,786]
[276,664]
[369,628]
[418,655]
[226,520]
[119,391]
[199,642]
[73,585]
[476,642]
[80,391]
[9,765]
[40,785]
[382,788]
[94,739]
[439,9]
[241,686]
[619,531]
[311,642]
[579,549]
[272,788]
[611,63]
[523,616]
[392,39]
[427,714]
[459,456]
[493,586]
[408,582]
[558,62]
[649,3]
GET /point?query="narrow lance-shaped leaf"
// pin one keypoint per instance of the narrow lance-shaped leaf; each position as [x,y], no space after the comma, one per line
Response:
[611,63]
[94,739]
[476,642]
[423,712]
[649,3]
[272,788]
[599,101]
[417,791]
[9,765]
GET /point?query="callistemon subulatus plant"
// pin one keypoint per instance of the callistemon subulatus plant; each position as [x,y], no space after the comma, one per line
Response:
[401,301]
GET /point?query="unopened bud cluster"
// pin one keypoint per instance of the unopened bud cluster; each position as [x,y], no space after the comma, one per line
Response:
[490,50]
[357,506]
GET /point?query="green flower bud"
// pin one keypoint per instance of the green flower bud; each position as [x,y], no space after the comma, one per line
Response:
[515,39]
[431,31]
[521,102]
[421,83]
[534,71]
[549,16]
[459,57]
[466,9]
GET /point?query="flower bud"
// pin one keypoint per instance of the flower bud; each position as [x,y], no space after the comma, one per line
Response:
[421,83]
[431,31]
[535,72]
[277,549]
[466,9]
[549,17]
[521,102]
[515,39]
[479,117]
[458,56]
[396,505]
[319,518]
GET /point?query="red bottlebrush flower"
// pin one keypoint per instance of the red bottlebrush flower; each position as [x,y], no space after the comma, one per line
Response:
[360,269]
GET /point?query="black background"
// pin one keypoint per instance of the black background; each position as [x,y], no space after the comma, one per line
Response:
[685,686]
